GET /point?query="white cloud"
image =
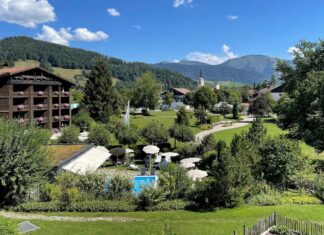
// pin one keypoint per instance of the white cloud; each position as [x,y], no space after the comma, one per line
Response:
[27,13]
[113,12]
[137,26]
[83,34]
[176,61]
[178,3]
[210,58]
[65,35]
[231,17]
[294,51]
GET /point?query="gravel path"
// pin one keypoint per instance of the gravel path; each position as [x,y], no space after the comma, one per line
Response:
[25,216]
[246,121]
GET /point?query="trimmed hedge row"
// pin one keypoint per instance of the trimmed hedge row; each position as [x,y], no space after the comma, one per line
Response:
[270,200]
[87,206]
[97,206]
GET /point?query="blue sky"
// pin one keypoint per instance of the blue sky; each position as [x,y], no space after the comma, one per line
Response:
[211,31]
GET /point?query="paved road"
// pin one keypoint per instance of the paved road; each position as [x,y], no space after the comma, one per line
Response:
[246,121]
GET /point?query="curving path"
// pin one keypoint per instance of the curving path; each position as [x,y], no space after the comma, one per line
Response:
[30,216]
[246,121]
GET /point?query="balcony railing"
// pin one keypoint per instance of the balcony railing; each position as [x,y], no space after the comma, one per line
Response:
[21,94]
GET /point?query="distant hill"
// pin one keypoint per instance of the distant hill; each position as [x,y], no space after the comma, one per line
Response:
[246,69]
[58,56]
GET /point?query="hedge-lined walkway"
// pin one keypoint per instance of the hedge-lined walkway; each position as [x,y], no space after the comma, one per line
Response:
[244,122]
[29,216]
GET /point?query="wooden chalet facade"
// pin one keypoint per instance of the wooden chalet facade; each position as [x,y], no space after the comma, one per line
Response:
[35,95]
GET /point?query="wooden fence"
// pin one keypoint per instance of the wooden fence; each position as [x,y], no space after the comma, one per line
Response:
[297,226]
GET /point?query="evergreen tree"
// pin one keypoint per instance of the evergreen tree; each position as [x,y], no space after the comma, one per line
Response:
[100,98]
[257,132]
[182,117]
[236,113]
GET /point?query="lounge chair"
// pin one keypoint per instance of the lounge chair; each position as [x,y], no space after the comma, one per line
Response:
[133,167]
[152,171]
[143,171]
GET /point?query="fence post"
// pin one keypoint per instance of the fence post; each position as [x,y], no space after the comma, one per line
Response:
[244,230]
[275,218]
[234,232]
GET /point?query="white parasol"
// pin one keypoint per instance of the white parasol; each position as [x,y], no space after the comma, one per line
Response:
[151,149]
[191,160]
[197,174]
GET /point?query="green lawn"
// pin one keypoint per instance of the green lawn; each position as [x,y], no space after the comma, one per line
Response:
[221,222]
[167,118]
[273,130]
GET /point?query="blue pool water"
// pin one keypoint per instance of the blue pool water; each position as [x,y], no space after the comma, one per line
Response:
[141,182]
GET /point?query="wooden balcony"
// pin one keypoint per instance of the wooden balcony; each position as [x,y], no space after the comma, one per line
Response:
[40,107]
[18,94]
[40,94]
[21,108]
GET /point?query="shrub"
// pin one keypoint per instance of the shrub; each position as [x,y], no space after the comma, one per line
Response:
[150,197]
[40,207]
[100,135]
[23,160]
[70,135]
[118,187]
[50,192]
[86,206]
[7,227]
[187,150]
[82,119]
[102,206]
[263,200]
[182,117]
[155,133]
[172,205]
[127,135]
[173,180]
[280,231]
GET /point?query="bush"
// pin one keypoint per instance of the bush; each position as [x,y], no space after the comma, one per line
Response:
[280,231]
[205,127]
[127,135]
[70,135]
[100,136]
[150,197]
[155,133]
[23,160]
[187,150]
[173,180]
[263,200]
[118,187]
[7,227]
[49,192]
[172,205]
[82,119]
[86,206]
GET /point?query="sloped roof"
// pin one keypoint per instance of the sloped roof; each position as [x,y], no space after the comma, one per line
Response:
[88,161]
[182,90]
[16,70]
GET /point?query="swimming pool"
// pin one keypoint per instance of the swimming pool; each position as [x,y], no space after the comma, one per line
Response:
[141,182]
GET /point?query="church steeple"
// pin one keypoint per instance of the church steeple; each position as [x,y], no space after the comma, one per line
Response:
[201,81]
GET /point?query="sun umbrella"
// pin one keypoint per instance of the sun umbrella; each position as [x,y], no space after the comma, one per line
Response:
[129,150]
[151,149]
[170,154]
[187,165]
[117,152]
[197,174]
[191,160]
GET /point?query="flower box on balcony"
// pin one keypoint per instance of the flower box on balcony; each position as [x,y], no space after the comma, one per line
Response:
[40,119]
[66,106]
[56,93]
[40,93]
[21,107]
[56,106]
[40,106]
[21,121]
[66,117]
[56,118]
[21,93]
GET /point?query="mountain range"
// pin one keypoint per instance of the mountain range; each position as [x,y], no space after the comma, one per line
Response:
[246,69]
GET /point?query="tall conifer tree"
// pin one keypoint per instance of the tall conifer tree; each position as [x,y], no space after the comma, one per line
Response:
[100,98]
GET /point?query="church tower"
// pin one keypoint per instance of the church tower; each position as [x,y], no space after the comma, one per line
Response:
[201,81]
